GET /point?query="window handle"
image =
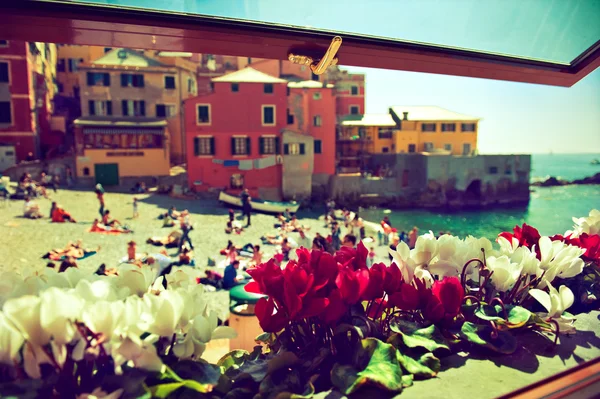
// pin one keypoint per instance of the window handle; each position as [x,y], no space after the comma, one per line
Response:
[325,62]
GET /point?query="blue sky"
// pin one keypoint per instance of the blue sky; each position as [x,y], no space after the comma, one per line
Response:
[516,117]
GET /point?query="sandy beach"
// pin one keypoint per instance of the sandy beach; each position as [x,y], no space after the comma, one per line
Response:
[24,241]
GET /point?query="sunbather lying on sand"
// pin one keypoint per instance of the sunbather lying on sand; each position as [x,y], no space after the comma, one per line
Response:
[170,241]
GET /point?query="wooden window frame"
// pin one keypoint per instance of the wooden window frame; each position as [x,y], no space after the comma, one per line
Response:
[262,114]
[98,25]
[354,106]
[198,123]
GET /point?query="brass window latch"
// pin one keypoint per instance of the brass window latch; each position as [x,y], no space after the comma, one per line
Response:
[328,59]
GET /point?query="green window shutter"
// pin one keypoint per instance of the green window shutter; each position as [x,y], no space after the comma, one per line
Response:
[233,146]
[91,107]
[261,145]
[196,146]
[109,108]
[302,150]
[248,148]
[286,149]
[212,146]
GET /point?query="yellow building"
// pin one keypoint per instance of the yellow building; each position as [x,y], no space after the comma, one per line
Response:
[126,83]
[67,66]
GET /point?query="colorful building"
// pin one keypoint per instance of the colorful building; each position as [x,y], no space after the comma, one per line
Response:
[67,66]
[349,91]
[27,73]
[261,132]
[404,130]
[125,83]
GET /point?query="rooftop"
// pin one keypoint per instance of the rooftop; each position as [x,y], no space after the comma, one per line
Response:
[429,113]
[308,84]
[120,121]
[370,120]
[248,75]
[175,54]
[126,57]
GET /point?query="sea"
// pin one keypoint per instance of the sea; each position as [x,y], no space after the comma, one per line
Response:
[550,209]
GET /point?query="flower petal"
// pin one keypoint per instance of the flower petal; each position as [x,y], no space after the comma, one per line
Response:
[542,297]
[566,296]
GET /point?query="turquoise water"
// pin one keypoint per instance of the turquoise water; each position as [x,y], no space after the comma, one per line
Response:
[550,208]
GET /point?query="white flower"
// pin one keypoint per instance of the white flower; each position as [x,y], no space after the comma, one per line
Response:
[556,302]
[589,225]
[182,277]
[139,353]
[527,260]
[99,290]
[559,260]
[425,249]
[163,312]
[103,317]
[137,279]
[59,309]
[506,273]
[507,247]
[202,331]
[98,393]
[11,341]
[24,313]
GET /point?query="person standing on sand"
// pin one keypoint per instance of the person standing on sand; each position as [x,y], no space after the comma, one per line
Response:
[100,194]
[412,237]
[186,227]
[135,208]
[246,206]
[70,179]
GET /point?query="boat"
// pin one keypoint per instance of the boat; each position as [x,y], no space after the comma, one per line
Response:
[260,205]
[595,161]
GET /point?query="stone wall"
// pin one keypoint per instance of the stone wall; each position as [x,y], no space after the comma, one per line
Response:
[56,166]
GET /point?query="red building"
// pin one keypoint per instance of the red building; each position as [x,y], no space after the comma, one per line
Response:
[25,92]
[257,131]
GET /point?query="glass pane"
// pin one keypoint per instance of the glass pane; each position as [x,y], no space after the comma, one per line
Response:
[557,31]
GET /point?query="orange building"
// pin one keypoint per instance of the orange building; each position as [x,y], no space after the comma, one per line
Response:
[67,66]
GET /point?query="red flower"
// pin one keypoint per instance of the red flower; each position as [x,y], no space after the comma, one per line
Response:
[375,287]
[450,293]
[324,267]
[393,279]
[355,258]
[526,235]
[591,243]
[377,308]
[434,311]
[335,309]
[352,284]
[407,298]
[267,318]
[268,280]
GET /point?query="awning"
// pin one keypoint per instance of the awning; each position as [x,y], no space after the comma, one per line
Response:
[123,131]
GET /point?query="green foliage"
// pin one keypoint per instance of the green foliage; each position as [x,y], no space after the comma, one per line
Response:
[415,336]
[516,316]
[485,336]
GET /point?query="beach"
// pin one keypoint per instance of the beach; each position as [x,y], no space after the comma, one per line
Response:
[25,241]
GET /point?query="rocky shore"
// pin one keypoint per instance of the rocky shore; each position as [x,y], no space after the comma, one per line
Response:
[554,181]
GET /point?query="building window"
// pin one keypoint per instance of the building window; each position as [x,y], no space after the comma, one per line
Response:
[448,147]
[203,114]
[314,76]
[86,171]
[317,95]
[98,79]
[467,127]
[290,118]
[74,64]
[61,87]
[169,82]
[191,86]
[5,113]
[288,91]
[268,88]
[235,87]
[133,108]
[385,149]
[427,146]
[466,149]
[448,127]
[384,133]
[240,145]
[507,170]
[165,110]
[3,43]
[354,110]
[318,146]
[4,78]
[60,65]
[268,115]
[317,120]
[268,145]
[412,148]
[204,146]
[107,49]
[100,108]
[354,90]
[294,149]
[132,80]
[493,170]
[428,127]
[236,181]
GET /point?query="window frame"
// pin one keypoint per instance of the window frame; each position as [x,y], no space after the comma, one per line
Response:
[174,82]
[211,146]
[141,114]
[72,23]
[353,106]
[444,126]
[462,127]
[425,149]
[262,140]
[8,71]
[446,145]
[423,124]
[262,114]
[352,87]
[11,114]
[6,45]
[317,121]
[245,139]
[268,85]
[470,149]
[131,80]
[166,105]
[237,87]
[198,123]
[318,147]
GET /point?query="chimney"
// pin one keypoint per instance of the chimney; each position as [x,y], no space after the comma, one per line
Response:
[405,118]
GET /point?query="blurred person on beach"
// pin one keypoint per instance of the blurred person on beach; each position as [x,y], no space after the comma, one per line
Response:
[135,208]
[257,256]
[67,263]
[186,227]
[31,209]
[172,213]
[246,205]
[59,215]
[304,240]
[131,251]
[99,190]
[286,248]
[70,179]
[230,278]
[412,237]
[371,257]
[349,241]
[231,215]
[107,221]
[335,236]
[394,244]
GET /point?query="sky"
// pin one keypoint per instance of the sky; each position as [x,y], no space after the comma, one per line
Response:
[516,117]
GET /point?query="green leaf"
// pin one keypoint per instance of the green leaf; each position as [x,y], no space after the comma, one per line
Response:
[489,312]
[331,394]
[163,391]
[414,336]
[518,317]
[199,371]
[379,367]
[283,359]
[407,380]
[482,335]
[233,358]
[266,338]
[424,367]
[469,307]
